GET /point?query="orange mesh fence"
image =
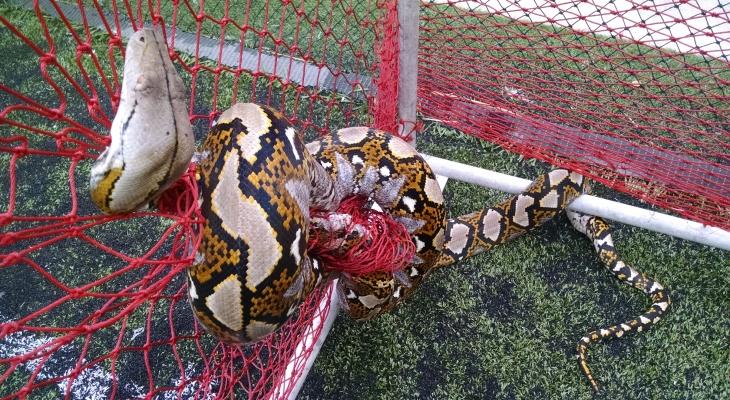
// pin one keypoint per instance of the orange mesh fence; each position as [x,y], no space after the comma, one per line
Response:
[632,93]
[95,306]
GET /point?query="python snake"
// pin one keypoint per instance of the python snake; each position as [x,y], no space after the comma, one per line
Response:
[258,183]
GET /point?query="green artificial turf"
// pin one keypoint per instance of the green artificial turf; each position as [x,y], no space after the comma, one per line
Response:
[500,325]
[505,324]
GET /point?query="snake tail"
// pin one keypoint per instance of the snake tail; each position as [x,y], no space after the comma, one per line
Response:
[599,232]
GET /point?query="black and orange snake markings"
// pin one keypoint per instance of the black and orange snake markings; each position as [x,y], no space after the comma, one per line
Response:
[258,182]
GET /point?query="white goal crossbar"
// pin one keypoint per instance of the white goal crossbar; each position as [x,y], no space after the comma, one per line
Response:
[587,204]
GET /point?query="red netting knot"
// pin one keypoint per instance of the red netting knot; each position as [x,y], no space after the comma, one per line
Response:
[80,154]
[56,114]
[86,329]
[115,41]
[10,259]
[75,232]
[9,328]
[21,150]
[83,48]
[4,220]
[374,241]
[60,141]
[48,58]
[185,221]
[213,115]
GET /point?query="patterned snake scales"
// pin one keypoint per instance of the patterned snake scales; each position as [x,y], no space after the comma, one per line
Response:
[258,181]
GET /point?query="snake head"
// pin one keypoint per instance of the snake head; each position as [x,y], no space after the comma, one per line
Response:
[151,137]
[148,69]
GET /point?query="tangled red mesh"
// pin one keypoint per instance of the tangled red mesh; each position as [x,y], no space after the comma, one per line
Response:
[385,247]
[95,306]
[632,93]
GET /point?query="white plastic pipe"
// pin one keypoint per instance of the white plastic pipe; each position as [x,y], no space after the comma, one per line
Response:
[408,11]
[587,204]
[297,370]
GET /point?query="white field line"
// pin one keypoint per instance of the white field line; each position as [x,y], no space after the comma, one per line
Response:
[297,369]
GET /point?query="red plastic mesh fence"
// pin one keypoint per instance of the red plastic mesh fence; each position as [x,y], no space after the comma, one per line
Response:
[632,93]
[95,306]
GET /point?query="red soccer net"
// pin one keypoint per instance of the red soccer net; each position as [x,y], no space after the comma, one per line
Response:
[632,94]
[95,306]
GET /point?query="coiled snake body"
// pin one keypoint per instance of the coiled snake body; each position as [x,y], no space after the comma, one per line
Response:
[258,182]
